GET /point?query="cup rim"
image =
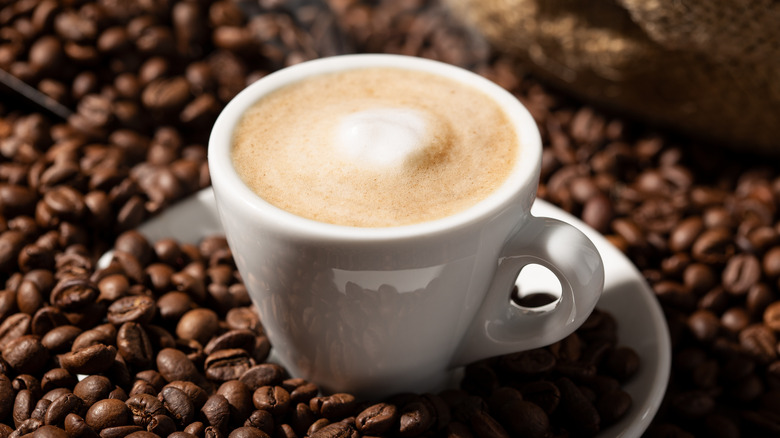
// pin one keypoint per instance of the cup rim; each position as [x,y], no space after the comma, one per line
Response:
[523,176]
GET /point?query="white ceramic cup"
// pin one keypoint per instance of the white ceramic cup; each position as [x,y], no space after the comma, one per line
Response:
[376,311]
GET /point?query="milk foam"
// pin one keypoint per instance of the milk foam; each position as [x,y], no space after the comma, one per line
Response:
[382,136]
[374,147]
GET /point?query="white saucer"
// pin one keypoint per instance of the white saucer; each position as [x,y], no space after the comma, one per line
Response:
[641,323]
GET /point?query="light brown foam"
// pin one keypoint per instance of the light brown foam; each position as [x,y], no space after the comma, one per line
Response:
[282,149]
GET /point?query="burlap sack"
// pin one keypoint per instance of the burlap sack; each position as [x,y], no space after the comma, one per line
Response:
[710,68]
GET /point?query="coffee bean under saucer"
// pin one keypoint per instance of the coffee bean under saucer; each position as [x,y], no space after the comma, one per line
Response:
[627,296]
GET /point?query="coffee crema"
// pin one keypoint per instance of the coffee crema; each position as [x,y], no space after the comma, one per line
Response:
[375,147]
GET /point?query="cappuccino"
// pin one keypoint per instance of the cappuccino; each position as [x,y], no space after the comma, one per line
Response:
[375,147]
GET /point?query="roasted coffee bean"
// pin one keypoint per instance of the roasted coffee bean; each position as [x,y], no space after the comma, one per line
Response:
[196,428]
[196,394]
[134,345]
[685,233]
[108,413]
[6,396]
[735,319]
[16,200]
[7,304]
[147,434]
[247,432]
[142,387]
[47,318]
[261,419]
[772,316]
[191,285]
[64,203]
[48,431]
[134,243]
[178,403]
[416,417]
[265,374]
[440,408]
[771,262]
[25,353]
[484,425]
[99,335]
[524,418]
[531,362]
[129,265]
[621,363]
[143,407]
[273,399]
[11,242]
[317,425]
[173,364]
[159,337]
[55,393]
[337,430]
[301,391]
[120,431]
[216,412]
[239,396]
[759,341]
[93,388]
[198,324]
[113,287]
[338,405]
[301,418]
[152,379]
[458,430]
[178,434]
[62,406]
[76,426]
[580,412]
[714,245]
[28,426]
[166,95]
[138,308]
[376,419]
[220,274]
[27,381]
[228,364]
[40,409]
[741,272]
[89,360]
[73,294]
[501,396]
[57,378]
[613,405]
[243,338]
[542,393]
[173,305]
[28,298]
[243,318]
[14,327]
[167,251]
[24,403]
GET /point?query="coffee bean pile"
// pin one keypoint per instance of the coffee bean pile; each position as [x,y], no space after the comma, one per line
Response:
[164,340]
[145,81]
[703,225]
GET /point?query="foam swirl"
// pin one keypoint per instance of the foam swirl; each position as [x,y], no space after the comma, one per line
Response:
[383,136]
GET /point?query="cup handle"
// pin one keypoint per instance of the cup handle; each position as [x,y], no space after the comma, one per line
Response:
[501,326]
